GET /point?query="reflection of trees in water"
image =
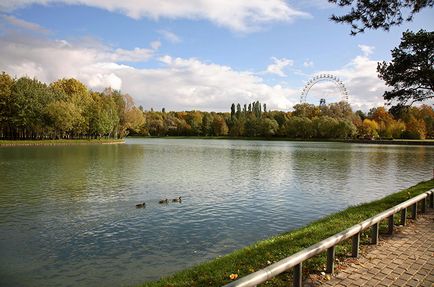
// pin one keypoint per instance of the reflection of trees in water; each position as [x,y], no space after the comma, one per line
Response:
[322,163]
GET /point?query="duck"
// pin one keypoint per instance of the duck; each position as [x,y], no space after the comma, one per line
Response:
[163,201]
[177,199]
[140,205]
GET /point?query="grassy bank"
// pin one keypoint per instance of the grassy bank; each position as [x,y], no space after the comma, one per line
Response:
[262,253]
[59,142]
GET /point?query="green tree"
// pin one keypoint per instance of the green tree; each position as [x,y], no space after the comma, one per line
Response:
[325,127]
[155,124]
[238,114]
[6,84]
[207,124]
[237,129]
[232,110]
[411,72]
[378,14]
[78,94]
[62,117]
[269,127]
[29,98]
[299,127]
[345,129]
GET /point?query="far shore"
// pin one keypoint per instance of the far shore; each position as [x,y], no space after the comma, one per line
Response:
[359,141]
[60,142]
[427,142]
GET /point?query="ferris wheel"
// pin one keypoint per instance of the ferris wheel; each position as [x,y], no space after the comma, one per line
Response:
[321,78]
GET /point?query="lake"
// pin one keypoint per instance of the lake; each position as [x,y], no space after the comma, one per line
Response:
[68,215]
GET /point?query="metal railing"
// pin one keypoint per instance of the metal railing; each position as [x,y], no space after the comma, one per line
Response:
[295,261]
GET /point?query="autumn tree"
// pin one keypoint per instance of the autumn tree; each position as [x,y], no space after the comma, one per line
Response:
[219,126]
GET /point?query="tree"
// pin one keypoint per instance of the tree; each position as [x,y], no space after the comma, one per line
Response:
[269,127]
[194,119]
[29,98]
[207,124]
[219,126]
[416,129]
[134,120]
[411,72]
[306,110]
[61,116]
[6,83]
[379,14]
[370,129]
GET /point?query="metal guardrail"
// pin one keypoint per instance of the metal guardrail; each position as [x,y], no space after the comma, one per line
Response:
[295,261]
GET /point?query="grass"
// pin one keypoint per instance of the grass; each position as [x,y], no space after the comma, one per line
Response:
[61,141]
[260,254]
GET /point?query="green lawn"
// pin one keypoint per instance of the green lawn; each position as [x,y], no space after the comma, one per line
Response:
[260,254]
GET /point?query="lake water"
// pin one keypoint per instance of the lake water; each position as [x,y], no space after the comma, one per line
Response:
[68,215]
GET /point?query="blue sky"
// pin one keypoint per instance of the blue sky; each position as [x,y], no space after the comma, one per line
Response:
[199,54]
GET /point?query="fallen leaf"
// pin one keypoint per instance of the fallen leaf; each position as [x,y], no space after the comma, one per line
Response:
[233,276]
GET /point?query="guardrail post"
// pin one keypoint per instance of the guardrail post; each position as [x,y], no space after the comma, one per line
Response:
[424,204]
[404,216]
[374,233]
[330,260]
[390,225]
[297,280]
[431,201]
[355,245]
[414,211]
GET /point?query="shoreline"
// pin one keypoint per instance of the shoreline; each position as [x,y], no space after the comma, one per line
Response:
[429,142]
[9,143]
[219,271]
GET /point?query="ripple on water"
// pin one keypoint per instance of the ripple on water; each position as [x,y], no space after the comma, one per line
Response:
[68,216]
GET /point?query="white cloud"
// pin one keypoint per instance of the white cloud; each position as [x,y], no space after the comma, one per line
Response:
[360,78]
[278,66]
[135,55]
[22,24]
[170,36]
[308,63]
[179,84]
[237,15]
[155,45]
[366,50]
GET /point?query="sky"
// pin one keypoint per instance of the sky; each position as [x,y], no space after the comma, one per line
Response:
[199,54]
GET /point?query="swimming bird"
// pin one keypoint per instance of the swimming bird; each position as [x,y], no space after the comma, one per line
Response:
[143,204]
[163,201]
[177,199]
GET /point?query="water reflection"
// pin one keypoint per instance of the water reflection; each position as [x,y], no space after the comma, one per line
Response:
[68,216]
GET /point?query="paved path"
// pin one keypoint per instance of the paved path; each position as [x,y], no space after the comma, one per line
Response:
[404,259]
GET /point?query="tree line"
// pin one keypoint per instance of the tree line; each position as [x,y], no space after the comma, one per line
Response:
[64,109]
[306,121]
[67,109]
